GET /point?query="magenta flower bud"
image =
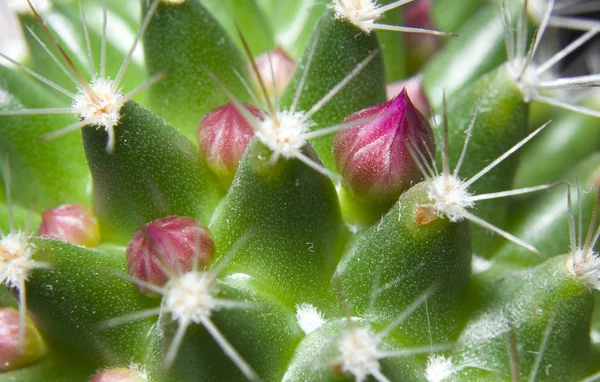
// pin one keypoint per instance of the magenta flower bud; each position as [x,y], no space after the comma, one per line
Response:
[373,157]
[416,93]
[223,135]
[279,77]
[119,374]
[15,354]
[71,223]
[168,245]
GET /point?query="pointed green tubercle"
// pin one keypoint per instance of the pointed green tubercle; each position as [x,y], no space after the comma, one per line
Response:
[76,315]
[175,43]
[334,50]
[153,172]
[402,259]
[501,122]
[287,217]
[270,337]
[544,312]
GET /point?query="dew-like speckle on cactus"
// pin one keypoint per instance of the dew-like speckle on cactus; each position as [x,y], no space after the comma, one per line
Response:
[299,190]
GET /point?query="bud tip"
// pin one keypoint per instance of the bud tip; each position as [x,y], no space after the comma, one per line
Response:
[167,246]
[72,223]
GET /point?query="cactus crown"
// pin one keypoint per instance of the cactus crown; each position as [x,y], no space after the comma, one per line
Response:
[213,224]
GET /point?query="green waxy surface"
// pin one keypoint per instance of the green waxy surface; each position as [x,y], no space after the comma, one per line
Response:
[43,174]
[174,42]
[500,124]
[6,298]
[339,48]
[397,260]
[475,374]
[270,329]
[153,172]
[75,297]
[526,303]
[288,219]
[53,368]
[360,212]
[596,330]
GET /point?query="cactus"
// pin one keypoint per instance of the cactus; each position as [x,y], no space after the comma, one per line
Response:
[211,190]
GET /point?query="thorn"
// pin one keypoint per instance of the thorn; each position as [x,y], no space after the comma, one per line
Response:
[82,80]
[256,71]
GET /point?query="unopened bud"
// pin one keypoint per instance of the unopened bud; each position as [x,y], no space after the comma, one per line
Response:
[223,135]
[166,246]
[71,223]
[15,353]
[119,374]
[420,46]
[415,90]
[373,157]
[279,76]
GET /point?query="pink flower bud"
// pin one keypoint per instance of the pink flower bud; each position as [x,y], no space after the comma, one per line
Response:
[416,93]
[373,158]
[223,135]
[13,353]
[168,245]
[283,68]
[119,374]
[71,223]
[418,15]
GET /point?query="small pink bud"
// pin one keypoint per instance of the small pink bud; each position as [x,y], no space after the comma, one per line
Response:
[13,353]
[373,158]
[223,135]
[71,223]
[417,14]
[283,69]
[119,374]
[416,93]
[169,244]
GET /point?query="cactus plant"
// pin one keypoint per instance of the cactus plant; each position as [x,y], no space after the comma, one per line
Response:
[210,190]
